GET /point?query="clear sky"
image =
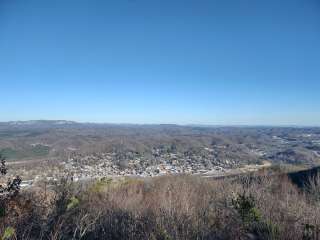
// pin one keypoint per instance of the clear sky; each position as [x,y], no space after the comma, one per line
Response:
[161,61]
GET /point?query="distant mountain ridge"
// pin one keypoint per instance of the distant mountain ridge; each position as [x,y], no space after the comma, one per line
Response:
[51,123]
[212,144]
[33,122]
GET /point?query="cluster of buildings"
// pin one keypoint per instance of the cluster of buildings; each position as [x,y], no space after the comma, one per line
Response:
[215,161]
[108,164]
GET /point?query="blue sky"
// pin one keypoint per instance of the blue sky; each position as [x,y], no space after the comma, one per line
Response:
[164,61]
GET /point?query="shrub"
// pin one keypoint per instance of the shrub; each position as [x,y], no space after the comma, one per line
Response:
[245,206]
[9,233]
[168,207]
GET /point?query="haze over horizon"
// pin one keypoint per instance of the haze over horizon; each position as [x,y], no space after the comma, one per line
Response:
[185,62]
[66,122]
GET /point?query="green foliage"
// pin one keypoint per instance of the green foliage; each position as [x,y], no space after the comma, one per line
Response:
[245,206]
[252,218]
[127,181]
[39,150]
[106,181]
[73,202]
[2,210]
[9,153]
[99,185]
[35,151]
[9,190]
[163,235]
[309,232]
[9,232]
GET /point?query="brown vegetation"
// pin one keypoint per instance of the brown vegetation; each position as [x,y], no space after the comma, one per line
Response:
[169,207]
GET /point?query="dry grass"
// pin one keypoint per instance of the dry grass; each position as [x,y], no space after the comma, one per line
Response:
[169,207]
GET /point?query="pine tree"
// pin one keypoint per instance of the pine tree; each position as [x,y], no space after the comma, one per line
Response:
[9,188]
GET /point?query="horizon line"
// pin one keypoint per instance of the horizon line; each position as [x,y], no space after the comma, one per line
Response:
[168,123]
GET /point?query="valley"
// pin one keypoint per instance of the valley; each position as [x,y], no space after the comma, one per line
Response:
[49,150]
